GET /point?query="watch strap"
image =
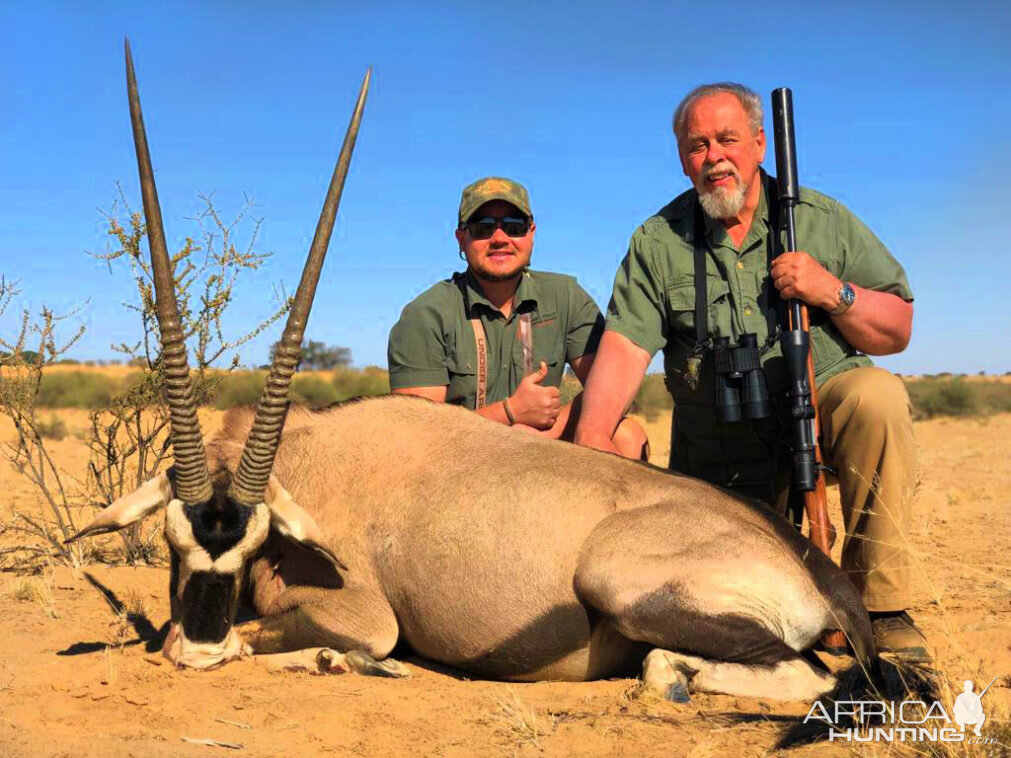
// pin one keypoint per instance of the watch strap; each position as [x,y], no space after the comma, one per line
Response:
[847,296]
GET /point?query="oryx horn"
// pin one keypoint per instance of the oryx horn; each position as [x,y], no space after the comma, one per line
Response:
[250,480]
[192,480]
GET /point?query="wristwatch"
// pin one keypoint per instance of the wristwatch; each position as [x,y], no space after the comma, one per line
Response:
[847,296]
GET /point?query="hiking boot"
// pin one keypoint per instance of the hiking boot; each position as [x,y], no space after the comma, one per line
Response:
[896,632]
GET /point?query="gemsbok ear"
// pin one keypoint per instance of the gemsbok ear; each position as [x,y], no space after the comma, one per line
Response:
[142,502]
[296,524]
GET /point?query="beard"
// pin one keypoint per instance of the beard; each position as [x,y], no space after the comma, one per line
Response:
[486,271]
[493,276]
[721,202]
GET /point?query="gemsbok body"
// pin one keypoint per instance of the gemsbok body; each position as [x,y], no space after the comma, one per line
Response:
[395,519]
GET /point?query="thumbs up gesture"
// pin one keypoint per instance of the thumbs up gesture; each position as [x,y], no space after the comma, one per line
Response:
[533,404]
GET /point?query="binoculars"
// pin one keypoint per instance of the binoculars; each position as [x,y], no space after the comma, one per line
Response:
[740,381]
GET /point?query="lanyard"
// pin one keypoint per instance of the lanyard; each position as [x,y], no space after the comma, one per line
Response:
[481,342]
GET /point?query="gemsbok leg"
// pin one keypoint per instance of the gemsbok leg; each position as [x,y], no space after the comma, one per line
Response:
[727,623]
[327,630]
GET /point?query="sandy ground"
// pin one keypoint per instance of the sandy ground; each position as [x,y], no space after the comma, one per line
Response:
[80,672]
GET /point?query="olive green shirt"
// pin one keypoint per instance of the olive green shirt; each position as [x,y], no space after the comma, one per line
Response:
[433,342]
[653,305]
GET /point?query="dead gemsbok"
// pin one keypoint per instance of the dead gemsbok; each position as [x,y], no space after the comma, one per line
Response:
[501,554]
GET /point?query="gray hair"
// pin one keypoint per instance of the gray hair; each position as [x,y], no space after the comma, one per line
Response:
[749,100]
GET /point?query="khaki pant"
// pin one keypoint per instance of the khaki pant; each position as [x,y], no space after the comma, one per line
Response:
[867,433]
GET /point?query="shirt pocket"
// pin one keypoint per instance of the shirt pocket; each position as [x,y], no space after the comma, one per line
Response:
[681,303]
[462,389]
[549,348]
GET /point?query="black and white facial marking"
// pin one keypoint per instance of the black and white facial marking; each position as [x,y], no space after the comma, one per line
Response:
[218,525]
[211,543]
[208,603]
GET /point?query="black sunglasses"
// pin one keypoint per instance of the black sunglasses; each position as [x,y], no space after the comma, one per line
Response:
[484,228]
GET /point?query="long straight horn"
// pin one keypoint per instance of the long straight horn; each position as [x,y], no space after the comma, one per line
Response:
[250,480]
[192,480]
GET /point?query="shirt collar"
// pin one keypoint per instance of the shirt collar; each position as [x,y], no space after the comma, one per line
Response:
[526,297]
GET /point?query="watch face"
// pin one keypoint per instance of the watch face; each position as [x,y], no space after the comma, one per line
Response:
[847,295]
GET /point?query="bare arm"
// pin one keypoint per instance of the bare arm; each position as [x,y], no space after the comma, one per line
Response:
[581,367]
[878,323]
[617,372]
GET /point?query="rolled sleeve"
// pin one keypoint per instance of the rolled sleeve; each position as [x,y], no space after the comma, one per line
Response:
[637,309]
[866,261]
[585,324]
[416,353]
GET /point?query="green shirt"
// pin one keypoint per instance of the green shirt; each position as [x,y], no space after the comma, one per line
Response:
[433,342]
[653,305]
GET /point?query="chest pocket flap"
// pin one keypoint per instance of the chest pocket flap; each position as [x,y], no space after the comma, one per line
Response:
[681,300]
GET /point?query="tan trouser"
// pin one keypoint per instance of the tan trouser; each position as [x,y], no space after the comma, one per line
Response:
[867,433]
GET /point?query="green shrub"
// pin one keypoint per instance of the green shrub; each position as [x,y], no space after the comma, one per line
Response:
[313,391]
[77,389]
[245,387]
[945,396]
[54,428]
[239,388]
[995,396]
[652,398]
[370,380]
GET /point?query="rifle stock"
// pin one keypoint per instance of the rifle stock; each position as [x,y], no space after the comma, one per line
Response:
[807,475]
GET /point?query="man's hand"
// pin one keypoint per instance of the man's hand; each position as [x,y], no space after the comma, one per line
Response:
[533,404]
[798,275]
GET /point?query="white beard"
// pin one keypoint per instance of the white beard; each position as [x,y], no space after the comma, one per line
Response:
[723,203]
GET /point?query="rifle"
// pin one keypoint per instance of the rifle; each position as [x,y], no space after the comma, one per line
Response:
[807,477]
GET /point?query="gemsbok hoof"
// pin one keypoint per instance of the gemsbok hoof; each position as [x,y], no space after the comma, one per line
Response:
[677,693]
[363,663]
[331,662]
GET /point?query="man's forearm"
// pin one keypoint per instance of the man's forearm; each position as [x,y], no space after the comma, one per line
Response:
[878,323]
[494,412]
[611,386]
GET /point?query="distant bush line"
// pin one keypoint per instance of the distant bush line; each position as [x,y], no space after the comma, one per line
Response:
[930,396]
[957,396]
[93,390]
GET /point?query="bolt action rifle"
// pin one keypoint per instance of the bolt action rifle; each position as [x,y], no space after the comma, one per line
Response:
[807,477]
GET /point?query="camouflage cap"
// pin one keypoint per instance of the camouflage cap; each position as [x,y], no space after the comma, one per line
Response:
[482,191]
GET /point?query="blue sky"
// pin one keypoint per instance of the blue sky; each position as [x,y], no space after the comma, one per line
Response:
[902,113]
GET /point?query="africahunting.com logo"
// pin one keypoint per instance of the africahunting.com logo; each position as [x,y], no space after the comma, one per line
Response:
[908,720]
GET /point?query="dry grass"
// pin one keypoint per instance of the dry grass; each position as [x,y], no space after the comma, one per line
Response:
[34,590]
[519,722]
[123,627]
[927,572]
